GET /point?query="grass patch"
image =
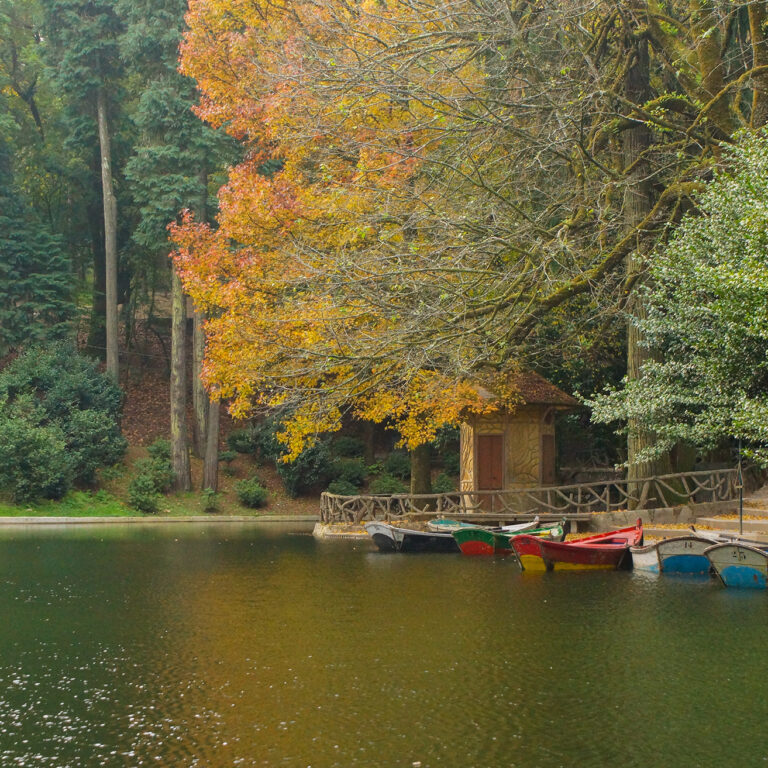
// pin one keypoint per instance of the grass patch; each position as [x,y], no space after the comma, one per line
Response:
[112,499]
[74,504]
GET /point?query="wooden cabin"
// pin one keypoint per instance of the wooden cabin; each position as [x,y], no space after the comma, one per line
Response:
[514,449]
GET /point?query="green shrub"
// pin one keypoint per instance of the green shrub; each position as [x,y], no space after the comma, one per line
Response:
[210,500]
[444,483]
[160,449]
[452,464]
[312,469]
[92,442]
[228,457]
[398,464]
[62,380]
[251,493]
[244,440]
[309,472]
[268,447]
[348,447]
[34,462]
[387,484]
[343,488]
[75,399]
[351,471]
[158,471]
[143,496]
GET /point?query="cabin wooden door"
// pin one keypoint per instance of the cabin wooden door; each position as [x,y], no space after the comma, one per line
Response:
[547,459]
[490,462]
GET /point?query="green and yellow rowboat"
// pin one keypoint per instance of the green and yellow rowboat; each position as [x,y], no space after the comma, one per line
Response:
[481,541]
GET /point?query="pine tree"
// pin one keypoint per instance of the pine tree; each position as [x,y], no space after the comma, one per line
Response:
[169,172]
[35,273]
[83,46]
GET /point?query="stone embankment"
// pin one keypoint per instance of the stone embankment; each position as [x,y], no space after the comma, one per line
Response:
[754,521]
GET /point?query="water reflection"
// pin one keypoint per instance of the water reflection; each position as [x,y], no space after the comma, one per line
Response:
[223,647]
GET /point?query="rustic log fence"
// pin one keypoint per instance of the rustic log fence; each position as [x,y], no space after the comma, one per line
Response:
[567,500]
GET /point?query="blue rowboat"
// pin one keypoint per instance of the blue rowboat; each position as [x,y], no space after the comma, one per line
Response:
[739,565]
[685,554]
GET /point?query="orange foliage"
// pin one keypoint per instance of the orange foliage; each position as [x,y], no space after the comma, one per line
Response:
[284,275]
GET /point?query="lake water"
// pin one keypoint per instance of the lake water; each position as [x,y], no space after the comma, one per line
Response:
[223,645]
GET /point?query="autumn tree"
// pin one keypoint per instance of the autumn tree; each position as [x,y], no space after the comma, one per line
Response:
[449,175]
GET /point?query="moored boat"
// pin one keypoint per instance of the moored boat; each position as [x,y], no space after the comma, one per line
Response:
[606,551]
[391,538]
[684,554]
[497,541]
[739,565]
[445,525]
[645,558]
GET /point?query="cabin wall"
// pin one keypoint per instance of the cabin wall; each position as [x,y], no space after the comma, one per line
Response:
[523,446]
[524,434]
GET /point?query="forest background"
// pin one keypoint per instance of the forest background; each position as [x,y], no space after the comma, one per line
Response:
[374,208]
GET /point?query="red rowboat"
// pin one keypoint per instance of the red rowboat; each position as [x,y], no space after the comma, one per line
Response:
[602,551]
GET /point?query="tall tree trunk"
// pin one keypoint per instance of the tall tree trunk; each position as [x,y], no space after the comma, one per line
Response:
[200,404]
[637,204]
[206,412]
[97,338]
[211,462]
[757,31]
[179,447]
[421,465]
[368,429]
[110,236]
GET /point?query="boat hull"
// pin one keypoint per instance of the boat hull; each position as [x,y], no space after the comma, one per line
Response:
[645,558]
[390,538]
[503,541]
[385,537]
[684,555]
[420,541]
[600,552]
[444,525]
[739,565]
[477,542]
[493,542]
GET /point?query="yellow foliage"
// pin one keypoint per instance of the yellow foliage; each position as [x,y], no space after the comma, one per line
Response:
[282,275]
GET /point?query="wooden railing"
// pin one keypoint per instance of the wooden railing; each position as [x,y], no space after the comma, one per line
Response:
[605,496]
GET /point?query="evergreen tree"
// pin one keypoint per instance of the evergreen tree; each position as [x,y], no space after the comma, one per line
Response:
[35,273]
[83,47]
[170,171]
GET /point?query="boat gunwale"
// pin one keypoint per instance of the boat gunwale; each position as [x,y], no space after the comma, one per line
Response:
[748,547]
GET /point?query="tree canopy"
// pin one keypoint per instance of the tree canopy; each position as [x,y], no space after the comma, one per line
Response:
[36,300]
[707,315]
[445,176]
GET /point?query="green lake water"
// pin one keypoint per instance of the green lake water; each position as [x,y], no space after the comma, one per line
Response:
[227,645]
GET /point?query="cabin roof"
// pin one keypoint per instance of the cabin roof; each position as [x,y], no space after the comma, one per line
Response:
[535,390]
